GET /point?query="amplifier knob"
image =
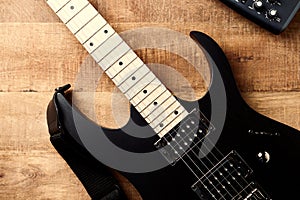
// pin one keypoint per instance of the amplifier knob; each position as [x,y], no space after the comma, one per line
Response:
[272,13]
[258,5]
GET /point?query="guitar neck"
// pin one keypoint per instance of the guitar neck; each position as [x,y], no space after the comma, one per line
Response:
[135,80]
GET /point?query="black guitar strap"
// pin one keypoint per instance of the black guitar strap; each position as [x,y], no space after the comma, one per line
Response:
[95,177]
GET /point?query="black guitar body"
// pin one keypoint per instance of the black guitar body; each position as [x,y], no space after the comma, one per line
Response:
[254,158]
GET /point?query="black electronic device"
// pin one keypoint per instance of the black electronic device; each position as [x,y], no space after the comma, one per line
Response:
[273,15]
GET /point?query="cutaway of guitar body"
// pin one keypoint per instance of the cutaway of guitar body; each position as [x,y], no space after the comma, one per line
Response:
[266,153]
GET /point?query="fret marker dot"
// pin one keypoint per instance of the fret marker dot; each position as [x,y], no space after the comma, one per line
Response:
[176,112]
[105,31]
[72,7]
[133,78]
[155,103]
[91,44]
[161,125]
[145,91]
[120,63]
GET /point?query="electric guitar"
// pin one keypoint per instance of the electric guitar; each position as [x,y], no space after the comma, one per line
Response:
[226,151]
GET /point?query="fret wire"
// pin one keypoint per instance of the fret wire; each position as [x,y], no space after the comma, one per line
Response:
[90,29]
[176,121]
[131,72]
[133,93]
[126,60]
[171,117]
[67,13]
[99,38]
[128,71]
[108,46]
[88,22]
[154,82]
[156,122]
[157,92]
[144,106]
[57,5]
[162,98]
[85,25]
[114,56]
[129,83]
[139,83]
[108,49]
[82,18]
[168,103]
[147,101]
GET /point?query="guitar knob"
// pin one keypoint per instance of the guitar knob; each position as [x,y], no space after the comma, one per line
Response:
[258,4]
[263,157]
[272,13]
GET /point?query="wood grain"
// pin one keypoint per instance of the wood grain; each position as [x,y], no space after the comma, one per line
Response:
[38,54]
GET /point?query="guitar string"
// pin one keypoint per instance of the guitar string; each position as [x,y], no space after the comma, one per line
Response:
[193,172]
[178,144]
[222,196]
[207,159]
[195,145]
[207,178]
[246,182]
[216,170]
[183,140]
[204,174]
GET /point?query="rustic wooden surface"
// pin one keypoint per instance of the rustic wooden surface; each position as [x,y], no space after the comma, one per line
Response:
[38,54]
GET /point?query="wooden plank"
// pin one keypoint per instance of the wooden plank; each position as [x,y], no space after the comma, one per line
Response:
[54,53]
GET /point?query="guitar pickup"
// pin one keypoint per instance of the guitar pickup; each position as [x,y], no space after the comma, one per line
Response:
[184,137]
[231,178]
